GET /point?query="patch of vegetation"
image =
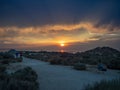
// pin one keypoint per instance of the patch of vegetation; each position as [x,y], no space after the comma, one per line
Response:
[55,62]
[2,68]
[106,55]
[5,61]
[114,64]
[6,58]
[25,74]
[3,74]
[24,79]
[80,66]
[105,85]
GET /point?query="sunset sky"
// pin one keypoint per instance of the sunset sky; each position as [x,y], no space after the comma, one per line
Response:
[48,24]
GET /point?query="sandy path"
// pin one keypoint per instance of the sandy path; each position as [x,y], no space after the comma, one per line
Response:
[55,77]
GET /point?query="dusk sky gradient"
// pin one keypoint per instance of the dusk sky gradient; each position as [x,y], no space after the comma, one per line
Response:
[45,24]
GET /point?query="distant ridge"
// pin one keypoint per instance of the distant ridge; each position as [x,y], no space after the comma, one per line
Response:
[103,50]
[106,55]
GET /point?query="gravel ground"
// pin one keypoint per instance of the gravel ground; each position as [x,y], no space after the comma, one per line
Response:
[55,77]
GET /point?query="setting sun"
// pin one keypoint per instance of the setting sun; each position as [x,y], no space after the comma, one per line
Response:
[62,44]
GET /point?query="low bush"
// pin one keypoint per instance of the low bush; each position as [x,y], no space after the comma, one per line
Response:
[105,85]
[5,61]
[114,64]
[55,62]
[1,57]
[2,68]
[14,84]
[3,74]
[17,60]
[20,59]
[7,56]
[25,74]
[24,79]
[65,62]
[80,66]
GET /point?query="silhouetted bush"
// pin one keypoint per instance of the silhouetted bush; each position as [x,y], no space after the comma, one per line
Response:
[7,56]
[80,66]
[17,60]
[25,74]
[3,74]
[14,84]
[5,61]
[20,59]
[2,68]
[24,79]
[65,62]
[1,57]
[105,85]
[55,62]
[114,64]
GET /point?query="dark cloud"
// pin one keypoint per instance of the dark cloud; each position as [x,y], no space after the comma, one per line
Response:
[111,14]
[41,12]
[106,37]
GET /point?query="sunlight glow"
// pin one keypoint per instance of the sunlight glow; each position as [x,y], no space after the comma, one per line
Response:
[62,44]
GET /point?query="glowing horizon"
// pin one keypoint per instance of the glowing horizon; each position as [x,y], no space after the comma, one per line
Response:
[81,32]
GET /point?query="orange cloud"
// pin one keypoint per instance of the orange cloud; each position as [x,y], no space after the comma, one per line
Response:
[81,32]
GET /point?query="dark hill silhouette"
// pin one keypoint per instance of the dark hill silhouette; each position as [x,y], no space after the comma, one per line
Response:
[103,51]
[106,55]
